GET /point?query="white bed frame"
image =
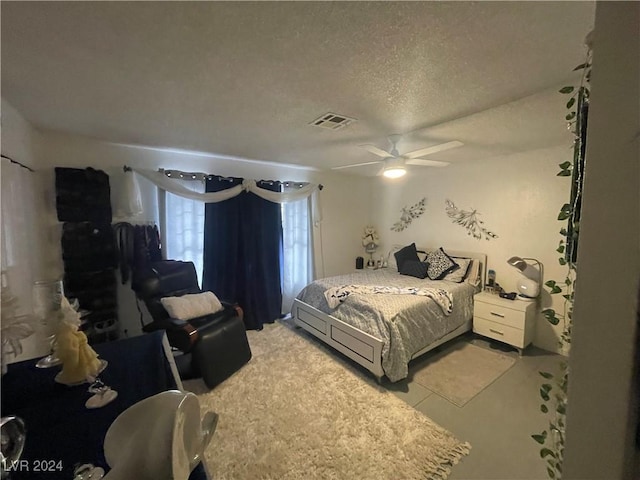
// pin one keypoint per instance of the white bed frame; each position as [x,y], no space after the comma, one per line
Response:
[359,346]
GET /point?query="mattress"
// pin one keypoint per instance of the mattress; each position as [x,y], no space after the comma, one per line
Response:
[404,323]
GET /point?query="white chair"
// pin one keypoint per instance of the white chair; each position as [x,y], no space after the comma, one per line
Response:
[160,437]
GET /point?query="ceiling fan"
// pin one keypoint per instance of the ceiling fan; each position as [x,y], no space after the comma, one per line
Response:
[394,163]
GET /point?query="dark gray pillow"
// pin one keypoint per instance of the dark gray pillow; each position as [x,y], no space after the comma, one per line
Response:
[439,264]
[406,253]
[414,268]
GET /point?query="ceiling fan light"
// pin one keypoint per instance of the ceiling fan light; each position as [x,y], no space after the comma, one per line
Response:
[394,172]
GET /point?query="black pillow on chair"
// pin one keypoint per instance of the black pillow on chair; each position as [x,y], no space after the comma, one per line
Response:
[414,268]
[405,254]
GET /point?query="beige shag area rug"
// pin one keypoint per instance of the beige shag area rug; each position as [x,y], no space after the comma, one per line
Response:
[462,371]
[295,412]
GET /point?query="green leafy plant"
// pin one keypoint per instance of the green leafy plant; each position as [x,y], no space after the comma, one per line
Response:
[553,390]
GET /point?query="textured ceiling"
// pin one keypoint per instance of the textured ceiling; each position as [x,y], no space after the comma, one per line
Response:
[245,78]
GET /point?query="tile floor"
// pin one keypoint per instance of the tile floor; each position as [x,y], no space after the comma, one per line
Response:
[498,421]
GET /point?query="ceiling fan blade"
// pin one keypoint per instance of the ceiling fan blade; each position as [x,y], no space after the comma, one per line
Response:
[436,148]
[426,163]
[375,150]
[356,165]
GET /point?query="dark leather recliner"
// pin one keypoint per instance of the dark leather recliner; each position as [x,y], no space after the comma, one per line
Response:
[215,346]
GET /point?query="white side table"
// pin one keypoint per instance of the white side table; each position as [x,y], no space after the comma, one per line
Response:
[509,321]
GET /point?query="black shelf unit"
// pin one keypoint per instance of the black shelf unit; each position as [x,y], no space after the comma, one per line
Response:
[88,248]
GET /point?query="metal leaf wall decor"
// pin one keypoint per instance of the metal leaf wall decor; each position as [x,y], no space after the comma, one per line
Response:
[408,214]
[469,220]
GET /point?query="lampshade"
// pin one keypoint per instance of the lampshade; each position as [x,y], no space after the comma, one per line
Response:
[394,172]
[394,167]
[529,286]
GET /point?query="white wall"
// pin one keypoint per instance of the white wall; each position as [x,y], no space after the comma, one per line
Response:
[517,196]
[344,199]
[603,397]
[20,140]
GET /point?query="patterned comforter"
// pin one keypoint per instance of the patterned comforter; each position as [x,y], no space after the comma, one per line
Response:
[405,323]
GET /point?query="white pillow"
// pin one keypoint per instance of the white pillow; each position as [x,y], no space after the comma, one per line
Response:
[391,260]
[460,273]
[473,274]
[192,305]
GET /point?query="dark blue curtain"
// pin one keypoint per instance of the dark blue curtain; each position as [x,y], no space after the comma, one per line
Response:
[243,251]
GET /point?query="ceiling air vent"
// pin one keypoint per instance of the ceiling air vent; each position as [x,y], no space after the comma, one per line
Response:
[332,121]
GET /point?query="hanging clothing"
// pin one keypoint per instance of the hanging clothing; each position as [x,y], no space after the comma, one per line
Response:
[243,250]
[146,246]
[138,246]
[82,195]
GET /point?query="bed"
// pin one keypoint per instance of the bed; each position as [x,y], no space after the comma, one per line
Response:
[383,332]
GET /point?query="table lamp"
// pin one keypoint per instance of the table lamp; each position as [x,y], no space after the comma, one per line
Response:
[370,242]
[528,284]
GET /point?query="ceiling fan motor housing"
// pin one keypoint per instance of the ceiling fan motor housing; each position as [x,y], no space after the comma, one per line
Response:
[393,162]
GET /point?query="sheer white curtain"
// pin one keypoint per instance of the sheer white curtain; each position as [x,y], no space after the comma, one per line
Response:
[20,249]
[184,226]
[297,237]
[23,245]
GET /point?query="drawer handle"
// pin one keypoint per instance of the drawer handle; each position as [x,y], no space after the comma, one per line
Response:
[497,314]
[496,331]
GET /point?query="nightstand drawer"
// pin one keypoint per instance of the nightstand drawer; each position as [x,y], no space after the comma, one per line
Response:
[500,314]
[498,331]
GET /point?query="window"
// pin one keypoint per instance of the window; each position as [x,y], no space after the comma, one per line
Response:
[297,268]
[183,226]
[183,236]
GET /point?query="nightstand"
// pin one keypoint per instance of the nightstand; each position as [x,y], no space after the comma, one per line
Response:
[509,321]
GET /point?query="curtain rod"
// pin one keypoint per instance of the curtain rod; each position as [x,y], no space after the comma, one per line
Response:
[18,163]
[203,176]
